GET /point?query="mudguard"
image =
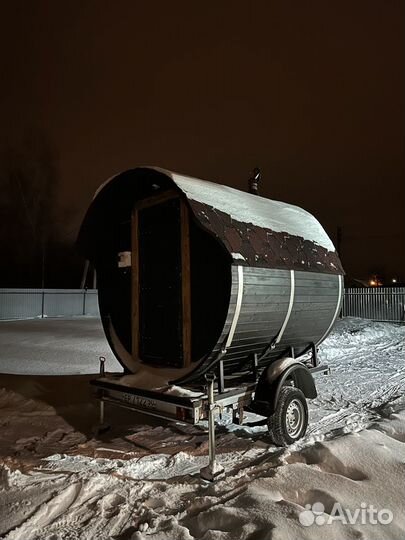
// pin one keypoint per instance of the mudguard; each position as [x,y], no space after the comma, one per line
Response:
[274,377]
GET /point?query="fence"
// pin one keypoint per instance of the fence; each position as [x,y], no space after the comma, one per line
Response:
[29,303]
[379,304]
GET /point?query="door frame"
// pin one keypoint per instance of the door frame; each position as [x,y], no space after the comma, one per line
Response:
[155,200]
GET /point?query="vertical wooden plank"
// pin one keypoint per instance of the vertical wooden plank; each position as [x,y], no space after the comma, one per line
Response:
[186,285]
[135,283]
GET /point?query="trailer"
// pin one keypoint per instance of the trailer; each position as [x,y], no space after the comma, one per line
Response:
[201,281]
[205,404]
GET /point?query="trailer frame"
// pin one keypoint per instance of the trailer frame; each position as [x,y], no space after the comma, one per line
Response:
[210,404]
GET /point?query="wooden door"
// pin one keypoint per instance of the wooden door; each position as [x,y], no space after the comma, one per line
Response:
[161,320]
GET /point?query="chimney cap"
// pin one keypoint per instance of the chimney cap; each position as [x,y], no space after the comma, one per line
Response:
[254,181]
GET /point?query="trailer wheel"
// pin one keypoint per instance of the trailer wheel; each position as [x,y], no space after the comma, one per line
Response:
[289,421]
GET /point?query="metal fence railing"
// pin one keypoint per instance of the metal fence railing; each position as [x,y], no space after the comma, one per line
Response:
[380,304]
[377,303]
[30,303]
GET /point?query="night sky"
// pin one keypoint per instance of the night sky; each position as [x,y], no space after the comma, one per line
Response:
[311,92]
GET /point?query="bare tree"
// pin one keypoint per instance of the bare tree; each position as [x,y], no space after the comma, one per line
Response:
[28,183]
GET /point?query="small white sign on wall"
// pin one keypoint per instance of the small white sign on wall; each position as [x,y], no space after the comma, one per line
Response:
[124,259]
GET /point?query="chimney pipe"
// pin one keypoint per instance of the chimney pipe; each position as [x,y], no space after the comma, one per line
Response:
[254,181]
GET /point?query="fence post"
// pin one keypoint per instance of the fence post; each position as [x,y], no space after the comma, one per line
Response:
[43,303]
[84,301]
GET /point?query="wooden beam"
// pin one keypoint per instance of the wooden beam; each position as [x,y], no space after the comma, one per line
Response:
[135,283]
[186,285]
[157,199]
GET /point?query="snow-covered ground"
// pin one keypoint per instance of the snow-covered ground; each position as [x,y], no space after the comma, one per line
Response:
[54,347]
[367,361]
[140,480]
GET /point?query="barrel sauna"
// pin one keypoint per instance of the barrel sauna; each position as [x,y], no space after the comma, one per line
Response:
[192,272]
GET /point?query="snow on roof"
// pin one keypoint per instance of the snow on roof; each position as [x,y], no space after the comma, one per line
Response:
[249,208]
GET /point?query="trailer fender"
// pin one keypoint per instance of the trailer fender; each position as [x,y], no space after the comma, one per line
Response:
[274,377]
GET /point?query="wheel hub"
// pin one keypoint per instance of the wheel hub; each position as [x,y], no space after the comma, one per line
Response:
[294,418]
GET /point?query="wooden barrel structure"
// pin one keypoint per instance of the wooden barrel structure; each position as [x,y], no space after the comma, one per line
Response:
[191,272]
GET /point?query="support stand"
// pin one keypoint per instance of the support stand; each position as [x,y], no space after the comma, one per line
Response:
[255,367]
[314,350]
[102,426]
[238,415]
[101,414]
[214,470]
[221,378]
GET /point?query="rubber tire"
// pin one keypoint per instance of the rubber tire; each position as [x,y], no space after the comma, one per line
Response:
[277,422]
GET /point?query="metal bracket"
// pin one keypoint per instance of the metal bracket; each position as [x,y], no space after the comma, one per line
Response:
[102,366]
[221,379]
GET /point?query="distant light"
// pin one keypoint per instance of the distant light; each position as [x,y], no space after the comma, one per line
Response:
[394,280]
[373,283]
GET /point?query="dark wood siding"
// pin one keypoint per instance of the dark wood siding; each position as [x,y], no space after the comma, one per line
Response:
[266,295]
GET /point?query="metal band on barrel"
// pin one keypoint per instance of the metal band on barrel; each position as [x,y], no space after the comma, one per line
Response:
[336,311]
[289,310]
[237,308]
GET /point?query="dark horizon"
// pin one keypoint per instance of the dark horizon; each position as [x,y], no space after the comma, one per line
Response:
[313,95]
